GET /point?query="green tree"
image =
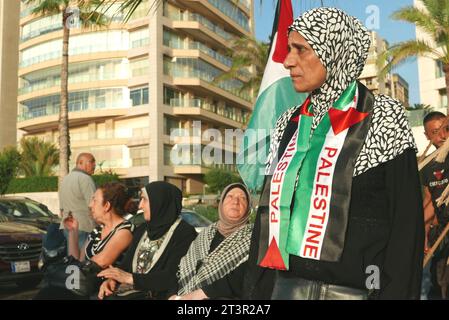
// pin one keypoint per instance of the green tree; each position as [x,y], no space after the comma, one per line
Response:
[38,157]
[247,53]
[70,11]
[9,163]
[433,19]
[130,6]
[218,179]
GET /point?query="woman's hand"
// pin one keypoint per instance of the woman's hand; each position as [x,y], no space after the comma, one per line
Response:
[107,288]
[194,295]
[70,223]
[117,274]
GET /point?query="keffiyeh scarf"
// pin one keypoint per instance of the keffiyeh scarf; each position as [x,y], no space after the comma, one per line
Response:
[230,253]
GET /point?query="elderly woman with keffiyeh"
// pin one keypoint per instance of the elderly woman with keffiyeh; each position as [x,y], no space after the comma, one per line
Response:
[340,215]
[215,263]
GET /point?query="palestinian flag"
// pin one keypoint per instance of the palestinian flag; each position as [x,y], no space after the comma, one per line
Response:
[276,95]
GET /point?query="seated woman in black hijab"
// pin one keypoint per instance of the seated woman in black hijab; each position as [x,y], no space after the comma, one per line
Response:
[149,267]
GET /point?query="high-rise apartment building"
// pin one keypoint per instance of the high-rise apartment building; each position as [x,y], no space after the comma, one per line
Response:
[131,85]
[432,84]
[392,85]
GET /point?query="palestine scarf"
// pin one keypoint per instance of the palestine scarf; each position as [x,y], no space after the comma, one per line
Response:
[317,226]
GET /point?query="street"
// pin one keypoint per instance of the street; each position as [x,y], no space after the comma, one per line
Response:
[10,291]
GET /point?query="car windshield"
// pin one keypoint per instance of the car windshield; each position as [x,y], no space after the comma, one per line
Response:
[22,209]
[195,219]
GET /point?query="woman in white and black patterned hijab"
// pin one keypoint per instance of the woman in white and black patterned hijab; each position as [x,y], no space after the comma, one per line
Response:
[341,44]
[341,193]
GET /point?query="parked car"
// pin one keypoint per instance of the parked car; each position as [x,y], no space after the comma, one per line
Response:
[23,224]
[191,217]
[20,249]
[28,211]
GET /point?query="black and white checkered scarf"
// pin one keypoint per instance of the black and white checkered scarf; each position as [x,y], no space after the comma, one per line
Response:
[230,253]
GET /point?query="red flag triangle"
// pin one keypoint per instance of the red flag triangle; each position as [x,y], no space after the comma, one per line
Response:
[341,120]
[284,19]
[273,258]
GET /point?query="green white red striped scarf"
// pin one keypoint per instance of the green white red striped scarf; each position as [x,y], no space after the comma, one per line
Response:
[309,174]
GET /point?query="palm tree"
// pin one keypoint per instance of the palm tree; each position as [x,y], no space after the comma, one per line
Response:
[88,17]
[130,6]
[433,19]
[247,53]
[38,157]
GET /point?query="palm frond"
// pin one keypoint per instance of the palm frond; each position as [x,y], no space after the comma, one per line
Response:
[402,52]
[246,53]
[38,157]
[47,7]
[437,10]
[416,16]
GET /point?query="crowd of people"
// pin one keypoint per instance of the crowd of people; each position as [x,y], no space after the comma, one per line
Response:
[343,213]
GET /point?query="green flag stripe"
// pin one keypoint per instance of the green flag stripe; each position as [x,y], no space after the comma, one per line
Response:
[304,190]
[289,180]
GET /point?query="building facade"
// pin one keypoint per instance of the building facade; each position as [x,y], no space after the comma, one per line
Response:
[132,86]
[9,56]
[432,85]
[392,85]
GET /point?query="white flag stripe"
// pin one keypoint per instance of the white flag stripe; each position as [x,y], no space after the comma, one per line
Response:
[274,71]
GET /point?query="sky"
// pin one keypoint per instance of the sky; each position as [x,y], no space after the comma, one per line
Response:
[391,30]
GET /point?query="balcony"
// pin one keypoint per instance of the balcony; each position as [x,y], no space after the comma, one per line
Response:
[48,119]
[200,28]
[43,112]
[199,74]
[235,17]
[188,169]
[140,137]
[178,44]
[206,111]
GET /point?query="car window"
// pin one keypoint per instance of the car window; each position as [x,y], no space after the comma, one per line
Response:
[3,214]
[194,219]
[5,208]
[8,208]
[36,211]
[22,209]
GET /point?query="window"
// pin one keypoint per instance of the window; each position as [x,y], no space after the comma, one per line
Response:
[439,69]
[139,156]
[140,67]
[139,38]
[443,98]
[172,97]
[139,96]
[170,124]
[167,153]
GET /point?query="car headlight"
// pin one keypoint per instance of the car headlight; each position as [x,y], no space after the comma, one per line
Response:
[40,263]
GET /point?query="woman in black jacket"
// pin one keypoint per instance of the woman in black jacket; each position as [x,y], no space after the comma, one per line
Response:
[149,267]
